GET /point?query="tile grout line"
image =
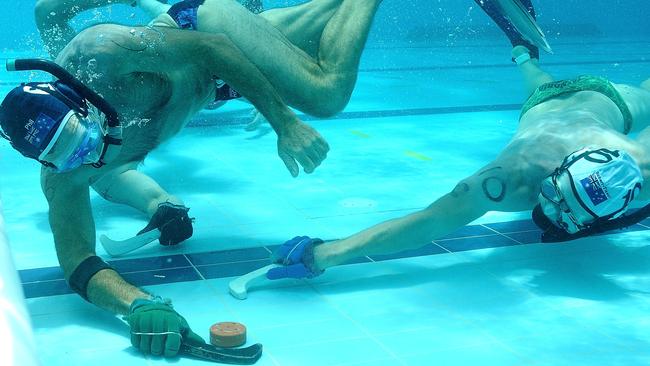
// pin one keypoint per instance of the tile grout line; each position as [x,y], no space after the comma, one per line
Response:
[441,247]
[501,234]
[120,273]
[359,326]
[236,262]
[194,267]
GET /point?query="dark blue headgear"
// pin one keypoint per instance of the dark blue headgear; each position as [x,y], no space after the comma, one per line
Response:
[31,113]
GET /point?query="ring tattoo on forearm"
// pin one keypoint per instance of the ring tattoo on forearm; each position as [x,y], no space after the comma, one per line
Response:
[494,187]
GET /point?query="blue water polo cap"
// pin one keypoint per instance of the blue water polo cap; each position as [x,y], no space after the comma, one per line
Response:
[31,114]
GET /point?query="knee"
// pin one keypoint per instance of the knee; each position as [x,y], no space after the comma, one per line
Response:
[103,187]
[332,99]
[329,108]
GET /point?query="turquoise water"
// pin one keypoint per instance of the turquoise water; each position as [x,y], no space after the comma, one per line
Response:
[437,98]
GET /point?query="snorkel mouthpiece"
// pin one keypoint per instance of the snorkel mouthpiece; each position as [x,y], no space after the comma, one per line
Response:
[11,65]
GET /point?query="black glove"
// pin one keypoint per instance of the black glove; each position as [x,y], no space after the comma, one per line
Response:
[156,328]
[172,221]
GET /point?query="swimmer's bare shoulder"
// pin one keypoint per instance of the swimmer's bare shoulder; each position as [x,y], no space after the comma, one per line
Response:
[100,47]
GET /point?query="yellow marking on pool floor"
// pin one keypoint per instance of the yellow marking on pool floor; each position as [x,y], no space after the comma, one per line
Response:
[417,155]
[360,134]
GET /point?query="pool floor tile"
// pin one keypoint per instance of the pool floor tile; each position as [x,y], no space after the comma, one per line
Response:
[162,276]
[491,354]
[513,226]
[478,296]
[476,242]
[348,351]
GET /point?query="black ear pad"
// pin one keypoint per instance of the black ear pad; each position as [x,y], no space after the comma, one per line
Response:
[550,232]
[542,222]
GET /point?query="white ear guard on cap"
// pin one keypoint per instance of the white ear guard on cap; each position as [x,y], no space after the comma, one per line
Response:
[590,184]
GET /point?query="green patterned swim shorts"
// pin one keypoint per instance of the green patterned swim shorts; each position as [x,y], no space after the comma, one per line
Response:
[582,83]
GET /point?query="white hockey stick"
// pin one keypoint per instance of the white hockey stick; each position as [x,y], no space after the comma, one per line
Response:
[116,247]
[239,286]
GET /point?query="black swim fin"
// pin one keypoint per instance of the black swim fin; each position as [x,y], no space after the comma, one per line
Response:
[516,18]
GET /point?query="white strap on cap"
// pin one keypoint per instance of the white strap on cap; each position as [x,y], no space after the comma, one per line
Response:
[49,146]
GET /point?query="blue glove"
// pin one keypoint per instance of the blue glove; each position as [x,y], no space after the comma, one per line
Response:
[297,259]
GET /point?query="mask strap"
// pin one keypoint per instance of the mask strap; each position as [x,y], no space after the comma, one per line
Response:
[577,197]
[109,139]
[64,99]
[553,234]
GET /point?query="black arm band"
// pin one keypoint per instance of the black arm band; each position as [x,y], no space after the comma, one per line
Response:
[84,272]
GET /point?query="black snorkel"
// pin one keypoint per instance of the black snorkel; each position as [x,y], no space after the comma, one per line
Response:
[114,133]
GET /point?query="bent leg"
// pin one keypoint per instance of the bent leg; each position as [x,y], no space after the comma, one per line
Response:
[303,24]
[533,75]
[126,185]
[320,86]
[154,8]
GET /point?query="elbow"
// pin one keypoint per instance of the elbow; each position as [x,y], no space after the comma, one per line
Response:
[69,265]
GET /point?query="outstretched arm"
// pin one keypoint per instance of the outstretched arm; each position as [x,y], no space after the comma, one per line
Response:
[490,189]
[73,228]
[156,327]
[52,17]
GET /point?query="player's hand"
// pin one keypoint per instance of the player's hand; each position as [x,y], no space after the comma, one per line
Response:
[297,259]
[157,329]
[174,223]
[300,144]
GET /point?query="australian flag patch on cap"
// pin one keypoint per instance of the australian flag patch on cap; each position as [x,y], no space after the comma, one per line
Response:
[593,186]
[38,131]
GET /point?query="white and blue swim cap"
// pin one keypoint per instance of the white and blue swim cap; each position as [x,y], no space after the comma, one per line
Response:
[591,184]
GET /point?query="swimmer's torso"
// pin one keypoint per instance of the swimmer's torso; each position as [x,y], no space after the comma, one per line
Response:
[153,106]
[550,131]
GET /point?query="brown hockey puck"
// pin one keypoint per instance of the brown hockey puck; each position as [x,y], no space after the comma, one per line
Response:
[228,334]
